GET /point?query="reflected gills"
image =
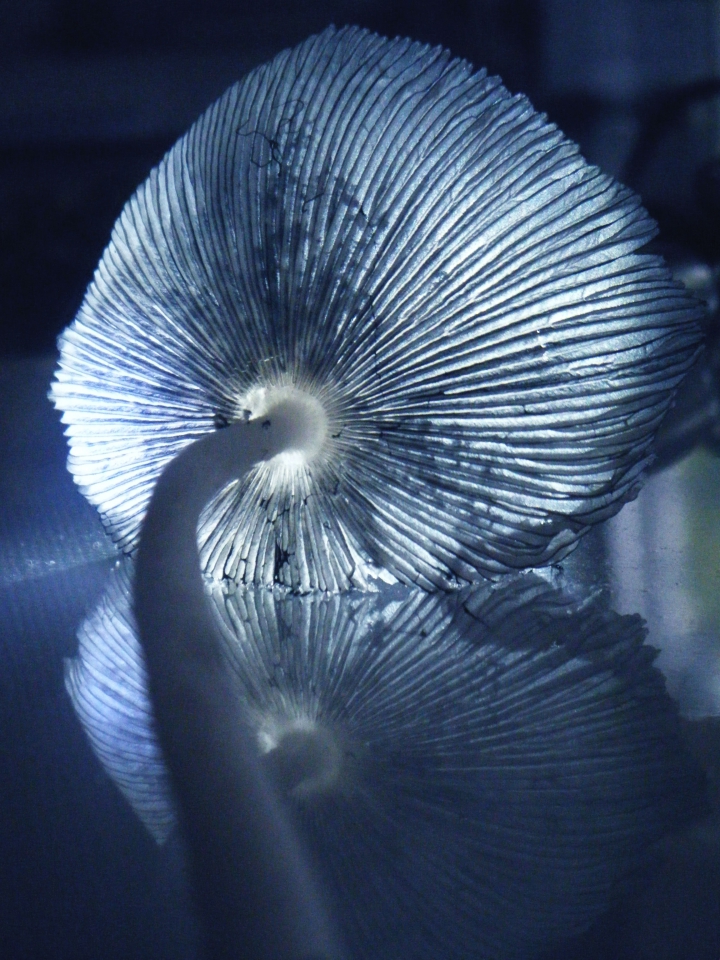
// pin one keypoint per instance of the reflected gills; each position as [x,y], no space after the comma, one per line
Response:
[472,770]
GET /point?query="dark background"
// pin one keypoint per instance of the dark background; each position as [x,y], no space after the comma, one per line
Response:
[92,94]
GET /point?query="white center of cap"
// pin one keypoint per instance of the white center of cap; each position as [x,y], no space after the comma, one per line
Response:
[260,402]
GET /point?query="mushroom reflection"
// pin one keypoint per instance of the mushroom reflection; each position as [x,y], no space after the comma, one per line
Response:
[368,226]
[470,773]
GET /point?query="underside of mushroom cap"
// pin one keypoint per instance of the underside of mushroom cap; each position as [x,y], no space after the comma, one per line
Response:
[371,224]
[470,773]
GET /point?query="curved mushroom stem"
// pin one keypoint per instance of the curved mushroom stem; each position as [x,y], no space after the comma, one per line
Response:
[254,887]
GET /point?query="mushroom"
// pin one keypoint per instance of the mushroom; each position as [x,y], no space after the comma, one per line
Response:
[369,229]
[468,772]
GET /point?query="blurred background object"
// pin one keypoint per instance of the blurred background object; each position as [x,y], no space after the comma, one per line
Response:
[92,94]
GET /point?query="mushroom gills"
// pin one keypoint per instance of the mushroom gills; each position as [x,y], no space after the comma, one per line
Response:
[461,301]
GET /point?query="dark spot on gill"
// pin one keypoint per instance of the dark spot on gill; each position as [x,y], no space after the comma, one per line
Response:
[281,557]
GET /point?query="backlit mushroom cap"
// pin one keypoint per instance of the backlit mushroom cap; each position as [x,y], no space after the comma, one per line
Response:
[468,785]
[432,269]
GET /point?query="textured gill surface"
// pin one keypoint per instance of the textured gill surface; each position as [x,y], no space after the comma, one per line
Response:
[507,765]
[371,221]
[45,525]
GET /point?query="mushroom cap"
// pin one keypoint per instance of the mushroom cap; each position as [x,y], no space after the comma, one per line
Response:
[474,771]
[372,225]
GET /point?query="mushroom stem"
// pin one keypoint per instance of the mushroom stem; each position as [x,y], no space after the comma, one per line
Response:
[254,886]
